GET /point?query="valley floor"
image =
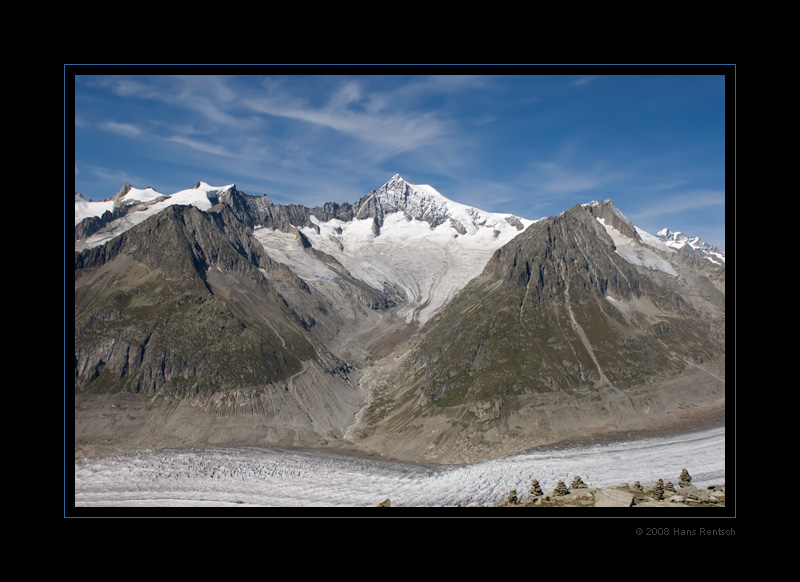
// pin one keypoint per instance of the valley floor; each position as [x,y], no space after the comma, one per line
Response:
[268,477]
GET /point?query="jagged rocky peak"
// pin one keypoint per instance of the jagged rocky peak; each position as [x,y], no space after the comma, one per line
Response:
[124,190]
[118,198]
[423,202]
[610,215]
[692,245]
[418,202]
[396,191]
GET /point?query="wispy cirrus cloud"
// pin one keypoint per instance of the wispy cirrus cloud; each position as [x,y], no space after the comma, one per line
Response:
[124,129]
[201,146]
[361,119]
[343,120]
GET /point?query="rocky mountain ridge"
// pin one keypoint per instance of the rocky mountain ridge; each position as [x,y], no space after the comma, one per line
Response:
[566,332]
[211,316]
[694,245]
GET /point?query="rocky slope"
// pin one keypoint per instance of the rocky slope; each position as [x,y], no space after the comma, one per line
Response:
[403,324]
[182,336]
[568,332]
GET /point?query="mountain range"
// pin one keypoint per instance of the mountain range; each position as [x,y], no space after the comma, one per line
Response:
[404,324]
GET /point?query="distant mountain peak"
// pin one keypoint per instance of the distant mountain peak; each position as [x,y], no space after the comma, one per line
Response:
[423,202]
[679,241]
[420,202]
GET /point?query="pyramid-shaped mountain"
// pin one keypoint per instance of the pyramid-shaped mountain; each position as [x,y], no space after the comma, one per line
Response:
[568,333]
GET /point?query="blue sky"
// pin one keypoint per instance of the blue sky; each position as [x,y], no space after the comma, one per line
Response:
[532,144]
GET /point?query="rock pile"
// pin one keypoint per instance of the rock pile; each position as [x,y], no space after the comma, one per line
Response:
[659,494]
[579,494]
[577,483]
[658,490]
[560,489]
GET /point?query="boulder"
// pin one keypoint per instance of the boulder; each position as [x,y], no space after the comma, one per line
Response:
[579,498]
[612,498]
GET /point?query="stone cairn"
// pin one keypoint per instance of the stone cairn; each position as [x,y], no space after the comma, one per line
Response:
[577,483]
[658,491]
[561,489]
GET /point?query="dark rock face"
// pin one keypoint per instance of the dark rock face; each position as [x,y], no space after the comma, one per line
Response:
[544,323]
[219,342]
[158,309]
[88,226]
[607,212]
[261,211]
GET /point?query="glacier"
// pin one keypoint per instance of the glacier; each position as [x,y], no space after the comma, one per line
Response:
[429,246]
[271,477]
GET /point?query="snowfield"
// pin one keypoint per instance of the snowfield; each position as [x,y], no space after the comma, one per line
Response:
[266,477]
[430,265]
[636,254]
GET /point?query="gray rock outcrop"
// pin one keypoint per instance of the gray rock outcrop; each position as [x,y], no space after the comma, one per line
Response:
[613,498]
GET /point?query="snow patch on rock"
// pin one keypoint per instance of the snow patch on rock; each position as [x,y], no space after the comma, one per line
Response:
[633,252]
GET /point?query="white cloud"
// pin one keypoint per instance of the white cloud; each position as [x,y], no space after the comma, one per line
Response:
[128,87]
[126,129]
[200,145]
[390,133]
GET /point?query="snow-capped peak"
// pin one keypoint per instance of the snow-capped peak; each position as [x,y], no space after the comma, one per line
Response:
[678,240]
[397,194]
[134,195]
[428,246]
[201,195]
[139,204]
[423,202]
